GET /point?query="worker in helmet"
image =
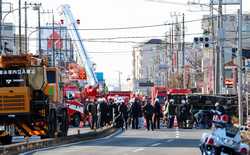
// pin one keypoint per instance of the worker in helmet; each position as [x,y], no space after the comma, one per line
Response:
[170,110]
[219,108]
[183,114]
[157,114]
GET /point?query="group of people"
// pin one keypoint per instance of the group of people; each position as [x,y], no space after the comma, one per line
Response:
[123,115]
[181,111]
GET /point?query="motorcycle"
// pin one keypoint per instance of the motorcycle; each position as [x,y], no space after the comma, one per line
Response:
[224,140]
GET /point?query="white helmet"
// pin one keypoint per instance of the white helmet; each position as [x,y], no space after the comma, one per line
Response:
[171,100]
[156,100]
[217,104]
[183,101]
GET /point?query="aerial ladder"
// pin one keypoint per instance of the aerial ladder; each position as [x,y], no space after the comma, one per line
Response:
[72,26]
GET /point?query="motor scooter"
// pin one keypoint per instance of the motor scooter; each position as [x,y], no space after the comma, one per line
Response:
[225,139]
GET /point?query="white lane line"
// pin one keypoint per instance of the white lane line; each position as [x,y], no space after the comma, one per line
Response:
[156,144]
[139,149]
[170,140]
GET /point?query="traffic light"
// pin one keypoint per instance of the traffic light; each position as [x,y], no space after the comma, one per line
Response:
[204,41]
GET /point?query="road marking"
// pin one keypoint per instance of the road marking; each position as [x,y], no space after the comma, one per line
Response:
[156,144]
[139,149]
[170,140]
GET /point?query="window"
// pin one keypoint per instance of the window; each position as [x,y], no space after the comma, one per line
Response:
[51,76]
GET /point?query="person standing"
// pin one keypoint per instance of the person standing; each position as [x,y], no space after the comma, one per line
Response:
[171,113]
[92,108]
[102,112]
[110,111]
[123,110]
[157,114]
[148,110]
[135,112]
[183,114]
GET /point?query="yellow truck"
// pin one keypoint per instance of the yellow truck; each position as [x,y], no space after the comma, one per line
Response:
[31,99]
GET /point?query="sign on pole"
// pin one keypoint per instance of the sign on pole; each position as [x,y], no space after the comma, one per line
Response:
[225,2]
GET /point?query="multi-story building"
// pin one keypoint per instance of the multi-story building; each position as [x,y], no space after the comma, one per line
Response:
[8,38]
[149,65]
[229,44]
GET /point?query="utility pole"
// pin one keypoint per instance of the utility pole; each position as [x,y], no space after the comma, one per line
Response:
[1,46]
[215,55]
[220,45]
[26,25]
[53,41]
[39,30]
[172,47]
[239,64]
[20,29]
[183,50]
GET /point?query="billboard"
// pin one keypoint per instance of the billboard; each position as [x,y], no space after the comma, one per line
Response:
[99,76]
[57,40]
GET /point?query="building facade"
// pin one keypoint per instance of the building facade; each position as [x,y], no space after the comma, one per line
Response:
[229,44]
[149,66]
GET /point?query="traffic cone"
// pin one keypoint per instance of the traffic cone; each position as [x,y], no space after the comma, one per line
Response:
[175,122]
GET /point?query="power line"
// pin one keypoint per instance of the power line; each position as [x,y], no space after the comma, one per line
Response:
[123,28]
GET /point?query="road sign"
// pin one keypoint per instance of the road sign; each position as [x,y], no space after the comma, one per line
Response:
[225,2]
[146,84]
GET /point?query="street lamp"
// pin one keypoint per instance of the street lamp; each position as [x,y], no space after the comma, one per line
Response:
[36,6]
[29,37]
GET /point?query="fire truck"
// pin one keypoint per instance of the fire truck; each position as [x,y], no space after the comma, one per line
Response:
[75,107]
[159,92]
[178,93]
[126,95]
[31,98]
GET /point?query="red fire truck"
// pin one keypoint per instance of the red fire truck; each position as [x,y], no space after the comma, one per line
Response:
[75,107]
[159,92]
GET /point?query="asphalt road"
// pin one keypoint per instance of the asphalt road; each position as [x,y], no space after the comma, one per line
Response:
[135,142]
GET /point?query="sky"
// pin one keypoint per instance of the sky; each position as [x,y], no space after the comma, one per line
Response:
[112,58]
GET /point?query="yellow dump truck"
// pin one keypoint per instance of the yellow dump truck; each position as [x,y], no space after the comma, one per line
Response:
[31,99]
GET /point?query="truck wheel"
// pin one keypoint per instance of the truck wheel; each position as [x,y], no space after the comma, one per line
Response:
[76,120]
[52,124]
[64,126]
[6,140]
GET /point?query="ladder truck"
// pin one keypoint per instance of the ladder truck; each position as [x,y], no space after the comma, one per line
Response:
[84,61]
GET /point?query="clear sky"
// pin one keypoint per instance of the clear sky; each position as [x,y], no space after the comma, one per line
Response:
[113,57]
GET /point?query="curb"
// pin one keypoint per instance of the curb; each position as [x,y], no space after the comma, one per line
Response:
[14,149]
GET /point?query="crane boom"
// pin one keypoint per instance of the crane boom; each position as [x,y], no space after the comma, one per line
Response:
[78,43]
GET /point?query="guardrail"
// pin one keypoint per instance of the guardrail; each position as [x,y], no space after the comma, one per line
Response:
[14,149]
